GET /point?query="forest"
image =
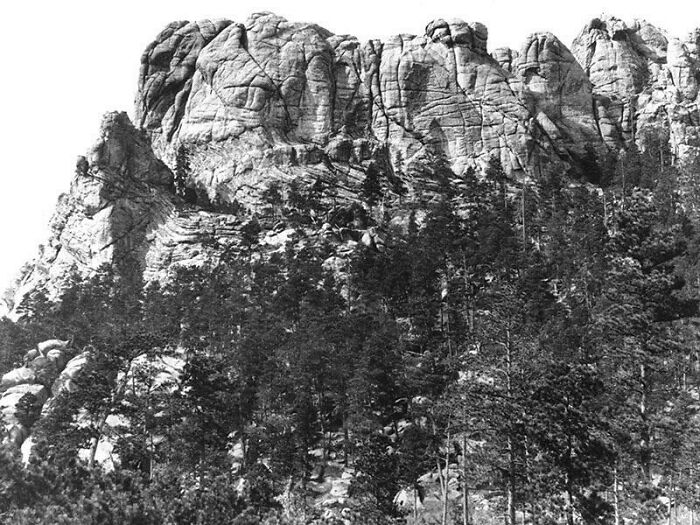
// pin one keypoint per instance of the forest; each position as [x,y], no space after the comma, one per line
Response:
[530,347]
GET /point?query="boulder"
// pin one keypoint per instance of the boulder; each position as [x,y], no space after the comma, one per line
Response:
[57,357]
[39,391]
[31,355]
[9,401]
[16,435]
[26,449]
[17,376]
[41,363]
[64,382]
[104,454]
[51,344]
[11,398]
[407,499]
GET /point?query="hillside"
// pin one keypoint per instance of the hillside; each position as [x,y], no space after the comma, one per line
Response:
[414,281]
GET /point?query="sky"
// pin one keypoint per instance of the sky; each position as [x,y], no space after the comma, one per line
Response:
[64,64]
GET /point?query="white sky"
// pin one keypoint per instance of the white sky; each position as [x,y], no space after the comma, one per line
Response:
[66,63]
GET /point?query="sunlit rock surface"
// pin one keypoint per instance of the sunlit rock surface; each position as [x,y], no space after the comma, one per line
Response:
[643,79]
[266,101]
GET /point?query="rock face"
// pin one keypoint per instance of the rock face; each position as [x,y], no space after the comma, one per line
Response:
[119,194]
[642,79]
[167,68]
[268,101]
[296,83]
[557,92]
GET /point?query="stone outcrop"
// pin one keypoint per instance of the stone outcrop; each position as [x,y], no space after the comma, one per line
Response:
[642,80]
[557,92]
[167,68]
[287,83]
[119,194]
[65,382]
[25,389]
[56,372]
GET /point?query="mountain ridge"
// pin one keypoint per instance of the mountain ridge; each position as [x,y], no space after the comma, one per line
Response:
[271,100]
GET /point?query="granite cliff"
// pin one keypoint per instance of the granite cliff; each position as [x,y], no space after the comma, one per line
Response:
[271,102]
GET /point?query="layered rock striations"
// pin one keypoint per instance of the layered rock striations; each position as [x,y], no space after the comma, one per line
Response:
[267,101]
[120,194]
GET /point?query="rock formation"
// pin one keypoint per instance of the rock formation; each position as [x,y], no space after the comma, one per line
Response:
[269,101]
[51,369]
[642,79]
[275,82]
[27,385]
[120,193]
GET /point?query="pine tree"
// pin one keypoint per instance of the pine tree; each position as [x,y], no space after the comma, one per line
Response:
[371,189]
[182,170]
[634,329]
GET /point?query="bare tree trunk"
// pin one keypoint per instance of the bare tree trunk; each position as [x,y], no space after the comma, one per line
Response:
[675,506]
[624,191]
[616,499]
[569,483]
[443,483]
[465,484]
[692,509]
[569,503]
[645,437]
[510,507]
[445,479]
[346,439]
[522,211]
[415,503]
[605,211]
[671,491]
[468,291]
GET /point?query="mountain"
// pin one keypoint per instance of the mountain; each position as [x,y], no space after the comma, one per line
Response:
[269,100]
[329,280]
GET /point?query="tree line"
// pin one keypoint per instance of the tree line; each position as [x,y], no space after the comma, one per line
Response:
[532,340]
